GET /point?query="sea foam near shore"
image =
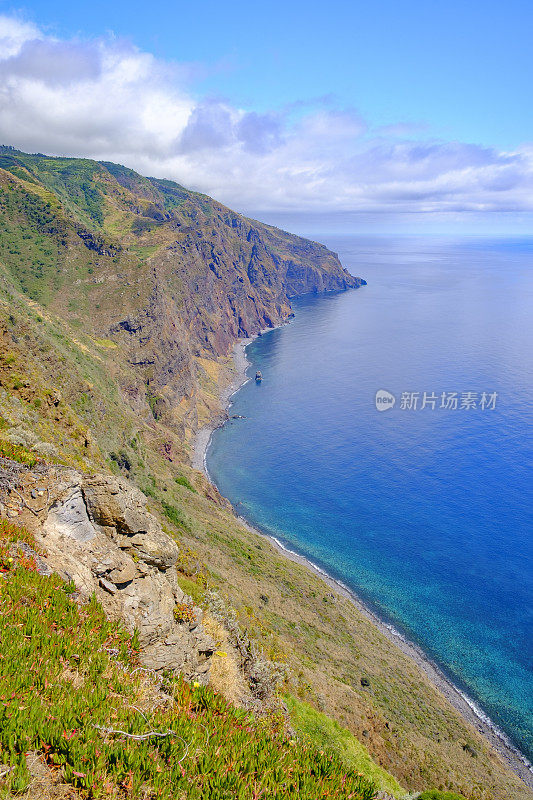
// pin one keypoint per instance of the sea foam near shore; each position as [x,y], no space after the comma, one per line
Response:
[459,699]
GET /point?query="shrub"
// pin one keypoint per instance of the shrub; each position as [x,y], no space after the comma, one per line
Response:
[181,480]
[263,675]
[184,613]
[149,492]
[156,403]
[121,459]
[175,515]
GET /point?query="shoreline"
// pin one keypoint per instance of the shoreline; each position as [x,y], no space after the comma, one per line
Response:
[203,436]
[461,702]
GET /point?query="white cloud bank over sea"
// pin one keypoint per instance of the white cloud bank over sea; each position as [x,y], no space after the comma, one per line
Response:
[107,100]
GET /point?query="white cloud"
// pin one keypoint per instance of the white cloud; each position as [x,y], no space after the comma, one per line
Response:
[107,100]
[13,34]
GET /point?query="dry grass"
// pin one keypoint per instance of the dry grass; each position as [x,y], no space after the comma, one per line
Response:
[225,676]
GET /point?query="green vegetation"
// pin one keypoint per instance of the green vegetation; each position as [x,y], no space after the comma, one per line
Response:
[70,179]
[29,241]
[155,403]
[17,453]
[181,480]
[121,459]
[175,515]
[10,534]
[68,690]
[193,588]
[184,612]
[105,343]
[89,401]
[435,794]
[326,734]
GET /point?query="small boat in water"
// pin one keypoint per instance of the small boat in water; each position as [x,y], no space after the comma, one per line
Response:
[258,376]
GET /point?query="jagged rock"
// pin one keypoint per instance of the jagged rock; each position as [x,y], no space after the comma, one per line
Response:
[99,534]
[115,503]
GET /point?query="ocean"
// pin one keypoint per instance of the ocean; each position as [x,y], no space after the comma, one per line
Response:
[423,509]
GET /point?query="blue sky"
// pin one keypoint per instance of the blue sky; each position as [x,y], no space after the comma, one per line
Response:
[463,68]
[380,109]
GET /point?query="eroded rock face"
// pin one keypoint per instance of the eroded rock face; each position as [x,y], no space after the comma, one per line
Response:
[219,279]
[119,509]
[98,533]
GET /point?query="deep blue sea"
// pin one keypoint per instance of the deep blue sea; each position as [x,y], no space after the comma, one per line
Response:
[424,513]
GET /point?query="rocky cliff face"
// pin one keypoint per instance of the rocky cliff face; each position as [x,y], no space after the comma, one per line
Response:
[222,281]
[170,276]
[143,288]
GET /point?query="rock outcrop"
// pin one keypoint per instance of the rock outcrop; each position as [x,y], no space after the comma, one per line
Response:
[98,533]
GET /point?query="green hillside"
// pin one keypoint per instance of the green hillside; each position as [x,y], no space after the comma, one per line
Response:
[121,298]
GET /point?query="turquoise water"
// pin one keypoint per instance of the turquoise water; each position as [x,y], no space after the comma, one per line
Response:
[426,514]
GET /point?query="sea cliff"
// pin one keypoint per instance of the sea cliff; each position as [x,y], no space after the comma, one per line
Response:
[121,300]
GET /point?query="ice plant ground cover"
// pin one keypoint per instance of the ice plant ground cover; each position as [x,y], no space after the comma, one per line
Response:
[71,690]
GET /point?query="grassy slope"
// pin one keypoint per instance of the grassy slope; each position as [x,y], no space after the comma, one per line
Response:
[69,687]
[328,735]
[408,728]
